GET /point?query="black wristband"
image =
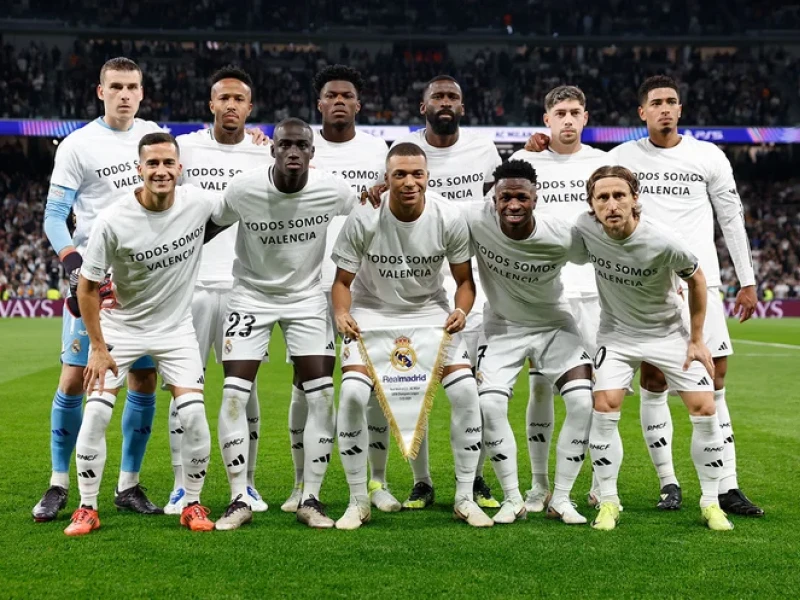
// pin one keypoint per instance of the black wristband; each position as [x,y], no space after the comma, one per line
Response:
[72,262]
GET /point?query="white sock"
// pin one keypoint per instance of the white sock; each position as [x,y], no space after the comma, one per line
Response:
[707,455]
[233,433]
[253,412]
[498,439]
[378,430]
[319,434]
[657,431]
[175,436]
[90,447]
[465,427]
[127,480]
[482,452]
[539,431]
[574,437]
[605,447]
[354,395]
[420,466]
[298,414]
[728,479]
[59,479]
[196,444]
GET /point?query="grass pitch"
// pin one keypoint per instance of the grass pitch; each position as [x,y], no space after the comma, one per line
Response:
[422,554]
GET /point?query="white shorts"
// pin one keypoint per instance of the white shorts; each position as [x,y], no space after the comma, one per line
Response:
[618,358]
[248,328]
[505,345]
[208,317]
[586,312]
[336,335]
[715,328]
[474,328]
[177,356]
[457,352]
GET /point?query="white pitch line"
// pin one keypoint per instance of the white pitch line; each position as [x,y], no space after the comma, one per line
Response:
[775,355]
[769,344]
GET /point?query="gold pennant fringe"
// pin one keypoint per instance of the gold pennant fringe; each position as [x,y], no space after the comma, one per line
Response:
[427,403]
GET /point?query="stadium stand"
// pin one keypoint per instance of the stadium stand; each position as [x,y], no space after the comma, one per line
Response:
[542,17]
[720,86]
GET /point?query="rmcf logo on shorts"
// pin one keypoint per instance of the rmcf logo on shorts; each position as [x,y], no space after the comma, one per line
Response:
[403,357]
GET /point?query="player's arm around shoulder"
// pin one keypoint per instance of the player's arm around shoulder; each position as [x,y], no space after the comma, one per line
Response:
[224,211]
[575,245]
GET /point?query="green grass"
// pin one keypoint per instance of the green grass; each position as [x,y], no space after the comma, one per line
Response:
[407,555]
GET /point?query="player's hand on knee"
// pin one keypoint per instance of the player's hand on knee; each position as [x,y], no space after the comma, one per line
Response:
[94,375]
[259,138]
[347,326]
[538,142]
[456,321]
[373,195]
[698,351]
[108,295]
[746,302]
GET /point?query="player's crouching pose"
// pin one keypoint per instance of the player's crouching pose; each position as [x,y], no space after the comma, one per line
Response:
[151,240]
[420,225]
[635,260]
[520,260]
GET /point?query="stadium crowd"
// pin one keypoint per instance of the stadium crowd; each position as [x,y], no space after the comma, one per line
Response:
[532,17]
[29,268]
[504,87]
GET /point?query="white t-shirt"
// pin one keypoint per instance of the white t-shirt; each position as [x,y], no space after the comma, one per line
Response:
[678,187]
[521,278]
[280,244]
[635,277]
[154,256]
[211,165]
[458,172]
[99,163]
[561,184]
[399,265]
[361,162]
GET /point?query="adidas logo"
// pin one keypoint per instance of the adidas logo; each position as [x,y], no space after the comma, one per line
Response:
[474,447]
[601,462]
[199,475]
[60,432]
[716,463]
[576,458]
[297,446]
[87,474]
[537,438]
[729,440]
[585,356]
[323,459]
[703,381]
[499,458]
[253,435]
[201,379]
[351,451]
[142,431]
[236,462]
[377,446]
[330,346]
[465,356]
[660,443]
[177,431]
[723,346]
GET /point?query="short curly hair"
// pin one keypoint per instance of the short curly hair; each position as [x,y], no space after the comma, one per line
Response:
[338,73]
[515,169]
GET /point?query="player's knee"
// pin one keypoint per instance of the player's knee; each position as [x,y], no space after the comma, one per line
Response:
[579,406]
[143,380]
[192,413]
[71,380]
[720,371]
[652,379]
[494,407]
[606,401]
[700,404]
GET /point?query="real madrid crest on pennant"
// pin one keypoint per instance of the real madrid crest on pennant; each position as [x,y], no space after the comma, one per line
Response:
[403,357]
